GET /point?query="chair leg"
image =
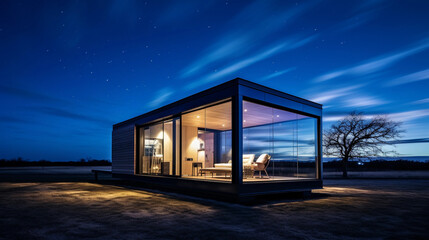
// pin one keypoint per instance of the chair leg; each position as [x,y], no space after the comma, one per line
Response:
[266,173]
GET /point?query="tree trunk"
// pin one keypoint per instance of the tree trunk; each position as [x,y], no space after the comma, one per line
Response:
[345,163]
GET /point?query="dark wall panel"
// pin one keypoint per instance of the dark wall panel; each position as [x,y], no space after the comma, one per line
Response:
[123,150]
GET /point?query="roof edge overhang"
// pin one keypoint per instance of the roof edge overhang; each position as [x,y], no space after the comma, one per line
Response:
[229,85]
[272,91]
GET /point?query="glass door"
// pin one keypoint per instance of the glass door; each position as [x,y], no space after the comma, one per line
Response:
[159,151]
[171,165]
[151,149]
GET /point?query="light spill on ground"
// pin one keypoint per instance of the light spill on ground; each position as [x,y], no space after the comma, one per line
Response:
[345,209]
[77,210]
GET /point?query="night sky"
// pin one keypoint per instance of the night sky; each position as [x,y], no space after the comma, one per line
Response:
[71,69]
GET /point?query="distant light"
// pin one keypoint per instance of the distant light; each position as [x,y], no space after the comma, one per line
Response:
[244,120]
[223,125]
[245,109]
[278,115]
[198,116]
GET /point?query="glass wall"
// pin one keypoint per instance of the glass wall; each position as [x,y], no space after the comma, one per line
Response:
[158,151]
[277,144]
[151,149]
[282,144]
[206,143]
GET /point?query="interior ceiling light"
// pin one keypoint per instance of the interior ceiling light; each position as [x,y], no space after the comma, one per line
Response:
[244,120]
[278,115]
[245,109]
[198,116]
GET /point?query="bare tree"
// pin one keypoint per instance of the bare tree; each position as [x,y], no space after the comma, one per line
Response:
[357,137]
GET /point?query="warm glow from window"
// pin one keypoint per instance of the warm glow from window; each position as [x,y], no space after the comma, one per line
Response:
[160,135]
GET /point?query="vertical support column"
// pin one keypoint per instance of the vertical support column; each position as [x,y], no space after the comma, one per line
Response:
[180,146]
[237,139]
[136,149]
[173,140]
[319,149]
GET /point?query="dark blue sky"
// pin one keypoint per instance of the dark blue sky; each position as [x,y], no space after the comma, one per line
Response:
[71,69]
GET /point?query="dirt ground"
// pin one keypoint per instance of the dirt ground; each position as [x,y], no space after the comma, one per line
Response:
[64,203]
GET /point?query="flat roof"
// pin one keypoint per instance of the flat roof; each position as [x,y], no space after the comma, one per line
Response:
[225,85]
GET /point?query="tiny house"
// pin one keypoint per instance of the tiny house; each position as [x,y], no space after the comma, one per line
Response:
[235,140]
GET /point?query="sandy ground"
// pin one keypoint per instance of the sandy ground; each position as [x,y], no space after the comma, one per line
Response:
[64,203]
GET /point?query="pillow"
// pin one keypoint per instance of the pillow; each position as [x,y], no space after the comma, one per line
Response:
[248,159]
[262,159]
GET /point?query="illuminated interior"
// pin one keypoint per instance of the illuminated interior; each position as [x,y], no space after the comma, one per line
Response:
[157,148]
[277,144]
[206,141]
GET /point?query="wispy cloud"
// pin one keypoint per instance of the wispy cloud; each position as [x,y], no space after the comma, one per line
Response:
[415,140]
[399,116]
[333,118]
[356,21]
[29,95]
[176,12]
[247,33]
[413,77]
[364,13]
[276,74]
[328,96]
[374,65]
[364,101]
[285,46]
[161,96]
[409,115]
[421,101]
[224,48]
[11,119]
[58,112]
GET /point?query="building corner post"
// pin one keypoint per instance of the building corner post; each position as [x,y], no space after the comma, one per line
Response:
[237,139]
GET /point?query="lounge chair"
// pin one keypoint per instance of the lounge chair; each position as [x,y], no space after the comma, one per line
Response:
[261,164]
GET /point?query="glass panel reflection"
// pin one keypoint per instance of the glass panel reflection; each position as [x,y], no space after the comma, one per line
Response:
[283,144]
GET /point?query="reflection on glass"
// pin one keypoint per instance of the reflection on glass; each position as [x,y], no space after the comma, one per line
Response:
[151,150]
[159,151]
[289,139]
[277,145]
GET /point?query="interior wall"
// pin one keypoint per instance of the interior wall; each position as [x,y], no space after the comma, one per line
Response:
[168,146]
[208,153]
[190,145]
